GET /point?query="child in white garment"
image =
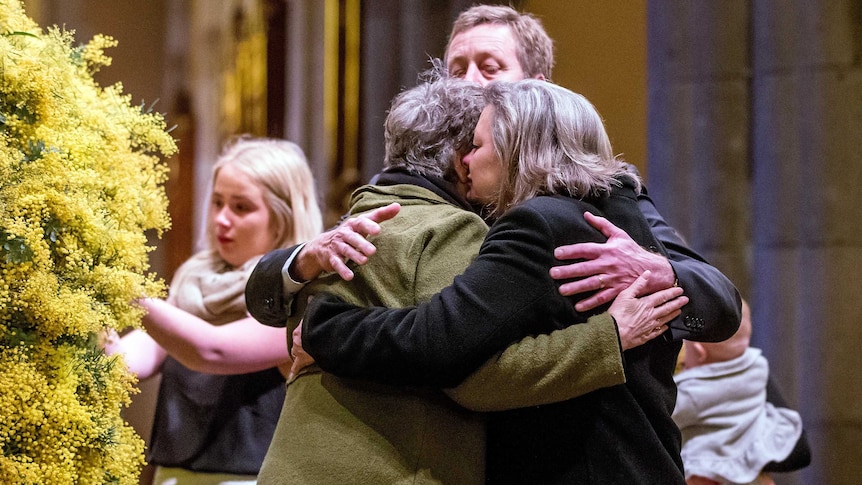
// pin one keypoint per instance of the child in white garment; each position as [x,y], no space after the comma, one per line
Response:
[729,430]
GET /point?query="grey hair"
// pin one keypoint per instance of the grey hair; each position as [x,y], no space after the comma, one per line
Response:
[550,140]
[428,125]
[535,48]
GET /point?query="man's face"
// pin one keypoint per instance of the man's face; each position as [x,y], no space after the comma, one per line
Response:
[485,53]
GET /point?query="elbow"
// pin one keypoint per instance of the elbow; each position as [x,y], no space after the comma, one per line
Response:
[207,360]
[729,321]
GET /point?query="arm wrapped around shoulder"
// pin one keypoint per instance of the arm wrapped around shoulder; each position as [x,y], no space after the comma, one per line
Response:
[390,346]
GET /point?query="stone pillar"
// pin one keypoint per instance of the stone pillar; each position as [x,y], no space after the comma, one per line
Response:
[755,112]
[698,118]
[399,37]
[807,121]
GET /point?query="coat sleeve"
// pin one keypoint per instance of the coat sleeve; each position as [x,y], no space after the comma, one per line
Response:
[714,309]
[265,295]
[544,369]
[504,295]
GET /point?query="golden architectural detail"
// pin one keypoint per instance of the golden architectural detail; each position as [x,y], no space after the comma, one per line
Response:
[244,72]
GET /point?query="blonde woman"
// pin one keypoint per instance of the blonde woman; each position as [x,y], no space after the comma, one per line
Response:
[213,428]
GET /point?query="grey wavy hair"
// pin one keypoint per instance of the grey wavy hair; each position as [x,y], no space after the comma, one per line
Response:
[535,48]
[550,141]
[428,125]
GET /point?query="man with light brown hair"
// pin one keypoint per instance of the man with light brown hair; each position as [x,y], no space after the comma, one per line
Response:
[495,43]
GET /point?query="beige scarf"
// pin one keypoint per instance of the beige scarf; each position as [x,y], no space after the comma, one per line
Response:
[208,287]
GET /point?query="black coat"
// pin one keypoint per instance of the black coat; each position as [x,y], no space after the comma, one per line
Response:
[622,434]
[712,314]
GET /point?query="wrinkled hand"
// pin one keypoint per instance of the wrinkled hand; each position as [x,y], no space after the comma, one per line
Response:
[642,316]
[301,359]
[609,267]
[330,251]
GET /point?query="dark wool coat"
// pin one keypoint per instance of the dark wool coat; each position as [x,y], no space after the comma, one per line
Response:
[620,434]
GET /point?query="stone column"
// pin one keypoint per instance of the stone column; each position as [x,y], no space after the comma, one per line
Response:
[755,112]
[698,124]
[400,36]
[807,204]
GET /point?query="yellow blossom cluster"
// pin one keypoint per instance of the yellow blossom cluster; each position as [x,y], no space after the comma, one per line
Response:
[81,183]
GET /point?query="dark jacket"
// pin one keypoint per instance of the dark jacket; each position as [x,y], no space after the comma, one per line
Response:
[715,307]
[621,434]
[712,314]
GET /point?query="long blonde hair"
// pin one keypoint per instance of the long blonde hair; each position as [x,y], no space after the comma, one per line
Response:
[280,169]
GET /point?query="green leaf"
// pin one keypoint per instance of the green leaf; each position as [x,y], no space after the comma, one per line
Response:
[27,34]
[15,249]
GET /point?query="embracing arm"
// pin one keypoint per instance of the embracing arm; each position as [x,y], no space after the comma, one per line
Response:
[548,368]
[715,309]
[573,361]
[714,312]
[281,274]
[500,299]
[267,297]
[238,347]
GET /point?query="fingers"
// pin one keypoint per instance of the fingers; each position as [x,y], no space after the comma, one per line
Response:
[348,241]
[588,251]
[602,224]
[353,245]
[664,320]
[670,292]
[384,213]
[638,287]
[361,227]
[580,286]
[668,296]
[674,304]
[341,268]
[596,300]
[369,224]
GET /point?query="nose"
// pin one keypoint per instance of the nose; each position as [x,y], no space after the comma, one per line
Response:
[474,75]
[222,217]
[465,160]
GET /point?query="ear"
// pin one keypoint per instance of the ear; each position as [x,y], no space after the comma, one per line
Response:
[540,77]
[699,353]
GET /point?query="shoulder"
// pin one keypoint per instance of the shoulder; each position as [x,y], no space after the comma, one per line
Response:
[553,203]
[369,197]
[419,207]
[553,214]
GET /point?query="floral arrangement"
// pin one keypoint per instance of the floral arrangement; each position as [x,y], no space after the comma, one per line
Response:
[81,183]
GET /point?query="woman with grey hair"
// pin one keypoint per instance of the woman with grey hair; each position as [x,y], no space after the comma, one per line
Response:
[540,158]
[335,430]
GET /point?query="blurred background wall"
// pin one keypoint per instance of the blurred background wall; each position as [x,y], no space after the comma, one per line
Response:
[741,114]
